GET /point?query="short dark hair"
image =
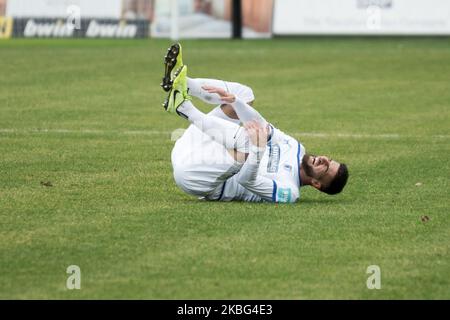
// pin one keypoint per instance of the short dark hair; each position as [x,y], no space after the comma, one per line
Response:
[339,180]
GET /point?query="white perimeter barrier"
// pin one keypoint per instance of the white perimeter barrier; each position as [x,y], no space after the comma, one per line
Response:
[362,17]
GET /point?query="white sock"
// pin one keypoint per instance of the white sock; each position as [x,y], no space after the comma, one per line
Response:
[195,89]
[244,111]
[230,135]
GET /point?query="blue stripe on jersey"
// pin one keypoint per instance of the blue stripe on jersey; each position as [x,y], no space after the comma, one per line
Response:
[274,193]
[298,164]
[221,192]
[271,133]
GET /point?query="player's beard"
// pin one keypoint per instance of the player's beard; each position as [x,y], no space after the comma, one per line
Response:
[307,168]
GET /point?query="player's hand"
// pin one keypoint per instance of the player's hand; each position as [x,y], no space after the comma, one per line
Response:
[224,96]
[257,133]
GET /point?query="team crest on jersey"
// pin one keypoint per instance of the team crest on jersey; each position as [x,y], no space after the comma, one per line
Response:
[284,195]
[274,158]
[287,141]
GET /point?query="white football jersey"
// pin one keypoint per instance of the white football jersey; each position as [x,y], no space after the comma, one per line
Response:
[278,173]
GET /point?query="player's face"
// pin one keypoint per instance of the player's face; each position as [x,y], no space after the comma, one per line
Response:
[321,168]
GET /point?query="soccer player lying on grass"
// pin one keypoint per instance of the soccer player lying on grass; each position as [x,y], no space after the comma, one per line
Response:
[217,159]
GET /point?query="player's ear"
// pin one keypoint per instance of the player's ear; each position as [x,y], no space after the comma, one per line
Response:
[316,184]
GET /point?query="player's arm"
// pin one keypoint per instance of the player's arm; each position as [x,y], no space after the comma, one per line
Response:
[267,189]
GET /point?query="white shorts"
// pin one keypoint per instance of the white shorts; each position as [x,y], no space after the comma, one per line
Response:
[201,165]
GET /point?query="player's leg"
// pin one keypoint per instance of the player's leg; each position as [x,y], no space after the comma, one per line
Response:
[196,90]
[223,111]
[244,111]
[226,133]
[199,88]
[201,166]
[173,61]
[196,85]
[229,134]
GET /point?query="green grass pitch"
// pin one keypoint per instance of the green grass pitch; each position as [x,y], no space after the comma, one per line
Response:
[86,116]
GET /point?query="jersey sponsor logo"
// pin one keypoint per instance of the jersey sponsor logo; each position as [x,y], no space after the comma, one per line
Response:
[6,26]
[284,195]
[274,158]
[287,167]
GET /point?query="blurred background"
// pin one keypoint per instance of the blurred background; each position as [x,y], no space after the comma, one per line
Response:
[221,18]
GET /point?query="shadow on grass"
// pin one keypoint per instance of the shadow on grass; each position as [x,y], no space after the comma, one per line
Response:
[327,200]
[303,201]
